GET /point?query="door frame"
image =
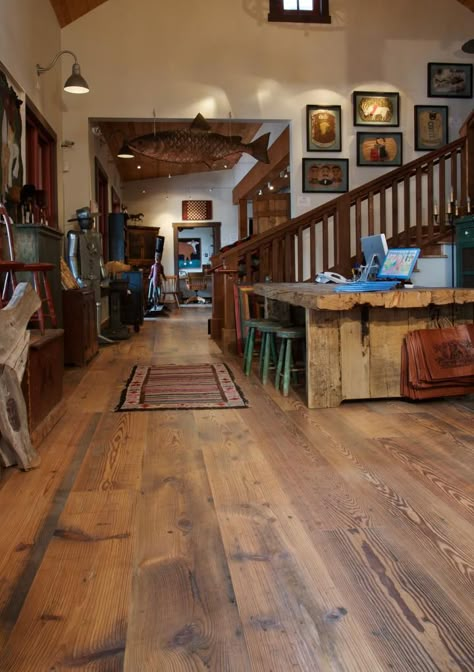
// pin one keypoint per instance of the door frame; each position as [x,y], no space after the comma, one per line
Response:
[216,237]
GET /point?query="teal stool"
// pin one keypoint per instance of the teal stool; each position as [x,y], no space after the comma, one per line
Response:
[286,368]
[267,328]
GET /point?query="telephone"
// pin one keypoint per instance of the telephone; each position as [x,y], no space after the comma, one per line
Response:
[327,276]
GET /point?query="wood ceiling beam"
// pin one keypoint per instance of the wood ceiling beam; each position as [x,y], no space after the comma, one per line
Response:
[468,3]
[68,11]
[263,172]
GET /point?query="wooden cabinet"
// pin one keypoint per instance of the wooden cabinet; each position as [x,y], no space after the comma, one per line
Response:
[141,244]
[465,252]
[80,326]
[43,380]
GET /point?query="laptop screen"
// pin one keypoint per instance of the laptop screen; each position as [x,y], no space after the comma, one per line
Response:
[399,264]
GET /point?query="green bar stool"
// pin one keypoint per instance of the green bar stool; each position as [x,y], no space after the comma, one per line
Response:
[268,351]
[264,327]
[286,368]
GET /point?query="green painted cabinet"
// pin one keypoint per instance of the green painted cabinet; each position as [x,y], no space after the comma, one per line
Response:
[465,251]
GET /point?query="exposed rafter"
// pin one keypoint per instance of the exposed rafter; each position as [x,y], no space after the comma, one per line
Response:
[68,11]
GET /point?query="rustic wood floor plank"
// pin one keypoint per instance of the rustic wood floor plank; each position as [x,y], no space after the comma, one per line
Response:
[27,529]
[294,617]
[75,616]
[446,546]
[183,614]
[114,460]
[267,538]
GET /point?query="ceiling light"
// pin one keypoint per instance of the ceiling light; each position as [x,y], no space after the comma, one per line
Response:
[260,192]
[75,83]
[139,167]
[125,152]
[270,186]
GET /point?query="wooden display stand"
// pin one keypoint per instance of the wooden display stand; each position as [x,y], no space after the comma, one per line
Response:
[43,382]
[80,326]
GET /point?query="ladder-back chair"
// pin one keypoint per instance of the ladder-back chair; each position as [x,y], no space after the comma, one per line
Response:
[169,287]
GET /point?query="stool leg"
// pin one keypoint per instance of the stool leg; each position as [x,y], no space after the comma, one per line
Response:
[287,370]
[281,357]
[263,346]
[248,353]
[266,357]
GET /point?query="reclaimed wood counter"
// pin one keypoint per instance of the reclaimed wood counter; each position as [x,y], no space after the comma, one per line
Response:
[354,339]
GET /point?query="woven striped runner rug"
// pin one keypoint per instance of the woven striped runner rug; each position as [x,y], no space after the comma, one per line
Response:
[174,387]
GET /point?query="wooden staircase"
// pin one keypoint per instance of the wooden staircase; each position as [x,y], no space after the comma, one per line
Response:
[413,206]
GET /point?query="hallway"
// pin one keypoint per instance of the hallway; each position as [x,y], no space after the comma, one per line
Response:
[265,539]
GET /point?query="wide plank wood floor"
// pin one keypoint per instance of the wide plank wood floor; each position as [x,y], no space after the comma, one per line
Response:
[267,539]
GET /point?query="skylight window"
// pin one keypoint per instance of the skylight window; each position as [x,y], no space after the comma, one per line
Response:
[300,11]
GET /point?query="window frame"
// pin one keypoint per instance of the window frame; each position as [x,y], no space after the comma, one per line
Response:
[319,13]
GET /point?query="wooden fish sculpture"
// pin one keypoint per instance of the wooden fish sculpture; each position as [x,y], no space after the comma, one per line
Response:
[197,145]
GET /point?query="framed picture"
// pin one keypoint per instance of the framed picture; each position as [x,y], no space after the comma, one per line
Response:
[323,128]
[379,149]
[431,127]
[450,80]
[373,108]
[325,175]
[189,253]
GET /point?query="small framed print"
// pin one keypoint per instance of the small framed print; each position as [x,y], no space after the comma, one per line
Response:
[323,128]
[379,149]
[325,176]
[372,108]
[431,127]
[450,80]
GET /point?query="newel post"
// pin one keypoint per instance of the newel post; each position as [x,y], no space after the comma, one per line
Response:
[342,232]
[222,324]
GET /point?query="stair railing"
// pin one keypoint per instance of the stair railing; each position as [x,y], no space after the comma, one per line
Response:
[411,205]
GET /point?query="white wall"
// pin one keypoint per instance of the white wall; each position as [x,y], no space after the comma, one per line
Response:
[179,59]
[223,57]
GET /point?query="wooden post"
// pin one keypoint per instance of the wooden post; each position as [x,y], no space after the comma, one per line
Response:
[242,218]
[467,130]
[343,236]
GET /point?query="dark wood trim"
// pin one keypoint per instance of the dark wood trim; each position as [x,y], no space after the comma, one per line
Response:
[101,196]
[39,133]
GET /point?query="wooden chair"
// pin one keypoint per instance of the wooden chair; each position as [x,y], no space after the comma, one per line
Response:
[169,287]
[196,282]
[39,272]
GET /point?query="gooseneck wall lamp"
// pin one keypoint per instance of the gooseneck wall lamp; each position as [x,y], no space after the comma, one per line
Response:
[75,83]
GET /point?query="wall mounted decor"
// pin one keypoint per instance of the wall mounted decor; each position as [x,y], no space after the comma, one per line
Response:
[11,166]
[379,149]
[450,80]
[374,108]
[323,128]
[325,175]
[431,127]
[197,144]
[193,211]
[189,253]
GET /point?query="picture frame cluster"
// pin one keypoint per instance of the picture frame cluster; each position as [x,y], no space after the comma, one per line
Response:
[380,110]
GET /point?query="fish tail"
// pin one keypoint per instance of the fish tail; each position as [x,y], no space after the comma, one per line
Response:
[259,148]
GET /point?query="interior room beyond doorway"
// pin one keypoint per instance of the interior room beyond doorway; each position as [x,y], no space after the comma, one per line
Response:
[194,244]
